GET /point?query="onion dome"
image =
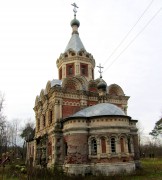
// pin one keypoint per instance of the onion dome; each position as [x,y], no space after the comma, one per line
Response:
[102,85]
[75,22]
[75,42]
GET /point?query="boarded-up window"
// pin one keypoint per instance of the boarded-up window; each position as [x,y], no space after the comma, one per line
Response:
[103,145]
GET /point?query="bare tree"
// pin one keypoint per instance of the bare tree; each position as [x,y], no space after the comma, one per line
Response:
[8,131]
[140,135]
[152,148]
[13,131]
[2,117]
[12,136]
[2,125]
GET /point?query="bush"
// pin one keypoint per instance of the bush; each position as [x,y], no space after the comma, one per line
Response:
[151,169]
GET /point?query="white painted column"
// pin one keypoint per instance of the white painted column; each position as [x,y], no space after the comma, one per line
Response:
[118,148]
[126,146]
[57,109]
[98,148]
[89,72]
[77,68]
[63,71]
[108,148]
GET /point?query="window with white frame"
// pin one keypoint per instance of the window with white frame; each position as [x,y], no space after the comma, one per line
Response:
[113,145]
[93,147]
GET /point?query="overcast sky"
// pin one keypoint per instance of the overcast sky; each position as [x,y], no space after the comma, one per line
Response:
[125,36]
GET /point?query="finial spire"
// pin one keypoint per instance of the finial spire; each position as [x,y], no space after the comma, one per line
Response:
[75,10]
[100,67]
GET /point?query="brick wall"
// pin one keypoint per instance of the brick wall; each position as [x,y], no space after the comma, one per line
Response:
[70,100]
[69,110]
[70,86]
[93,89]
[118,105]
[77,151]
[91,103]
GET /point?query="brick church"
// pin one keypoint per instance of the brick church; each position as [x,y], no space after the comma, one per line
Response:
[81,122]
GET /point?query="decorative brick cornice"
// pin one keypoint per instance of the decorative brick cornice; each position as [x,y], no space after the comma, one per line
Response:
[109,96]
[70,58]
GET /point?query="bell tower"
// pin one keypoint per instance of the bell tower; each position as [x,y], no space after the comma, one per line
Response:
[75,61]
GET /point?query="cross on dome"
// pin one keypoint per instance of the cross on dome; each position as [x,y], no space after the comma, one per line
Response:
[75,10]
[100,67]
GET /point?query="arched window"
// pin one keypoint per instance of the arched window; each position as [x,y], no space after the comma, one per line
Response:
[113,145]
[84,69]
[70,69]
[129,145]
[122,144]
[93,147]
[103,145]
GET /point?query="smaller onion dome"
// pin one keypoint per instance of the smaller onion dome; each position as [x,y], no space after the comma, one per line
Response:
[102,85]
[75,22]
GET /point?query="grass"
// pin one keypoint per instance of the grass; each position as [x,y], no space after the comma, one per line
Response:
[151,170]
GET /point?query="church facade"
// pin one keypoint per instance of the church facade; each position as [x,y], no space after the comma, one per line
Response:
[81,122]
